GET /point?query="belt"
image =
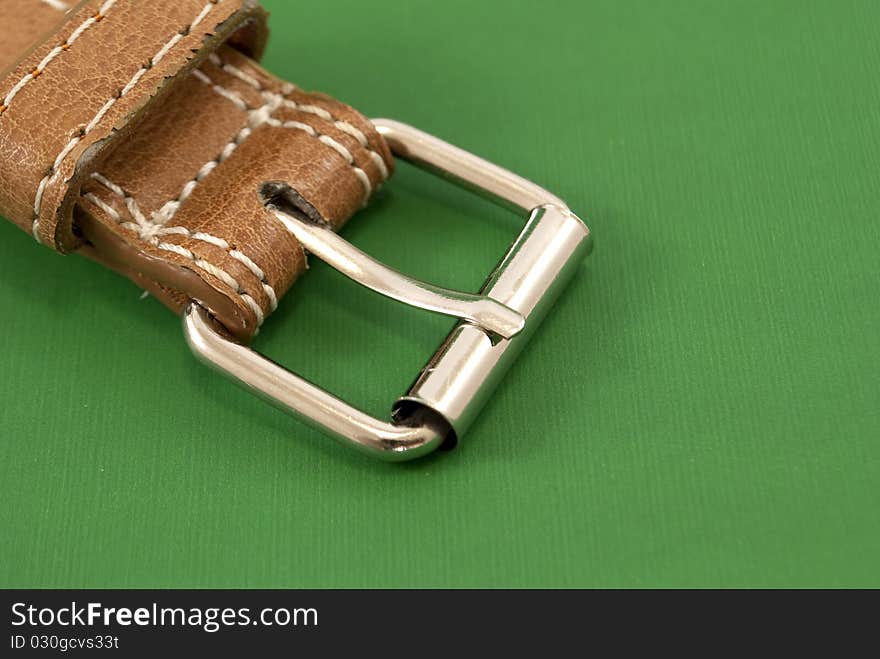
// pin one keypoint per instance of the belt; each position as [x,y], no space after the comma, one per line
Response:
[145,136]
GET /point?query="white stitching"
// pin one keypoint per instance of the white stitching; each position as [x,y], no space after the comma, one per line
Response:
[219,273]
[256,117]
[333,144]
[57,50]
[57,4]
[309,130]
[235,98]
[238,73]
[150,233]
[147,231]
[345,127]
[130,202]
[41,188]
[341,124]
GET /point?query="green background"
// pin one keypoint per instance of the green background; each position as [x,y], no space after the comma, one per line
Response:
[701,407]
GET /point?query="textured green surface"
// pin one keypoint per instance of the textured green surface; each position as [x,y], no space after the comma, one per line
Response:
[700,408]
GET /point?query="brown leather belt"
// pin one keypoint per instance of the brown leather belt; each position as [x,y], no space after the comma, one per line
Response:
[144,135]
[127,122]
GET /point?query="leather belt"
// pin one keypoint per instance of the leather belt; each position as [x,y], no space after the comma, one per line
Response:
[144,135]
[129,122]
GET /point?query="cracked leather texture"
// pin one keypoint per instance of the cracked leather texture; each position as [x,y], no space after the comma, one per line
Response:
[140,134]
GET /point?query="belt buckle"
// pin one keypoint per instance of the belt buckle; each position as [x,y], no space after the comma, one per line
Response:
[493,326]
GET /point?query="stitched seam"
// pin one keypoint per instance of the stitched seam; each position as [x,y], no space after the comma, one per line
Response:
[56,51]
[57,4]
[221,274]
[333,144]
[148,230]
[96,120]
[271,98]
[344,126]
[256,117]
[151,233]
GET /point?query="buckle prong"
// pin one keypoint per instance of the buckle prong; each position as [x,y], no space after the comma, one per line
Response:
[494,325]
[328,246]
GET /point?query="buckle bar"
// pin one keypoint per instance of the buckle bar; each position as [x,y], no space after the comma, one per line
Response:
[494,325]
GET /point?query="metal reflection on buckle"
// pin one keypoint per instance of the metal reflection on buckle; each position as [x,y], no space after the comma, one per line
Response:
[493,326]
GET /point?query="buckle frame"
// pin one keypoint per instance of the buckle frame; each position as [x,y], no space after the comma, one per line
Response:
[493,325]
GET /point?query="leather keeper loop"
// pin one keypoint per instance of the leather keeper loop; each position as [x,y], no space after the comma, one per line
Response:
[140,134]
[87,87]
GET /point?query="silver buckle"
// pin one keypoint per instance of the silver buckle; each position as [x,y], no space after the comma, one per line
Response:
[493,326]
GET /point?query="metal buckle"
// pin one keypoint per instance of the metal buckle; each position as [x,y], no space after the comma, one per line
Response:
[493,326]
